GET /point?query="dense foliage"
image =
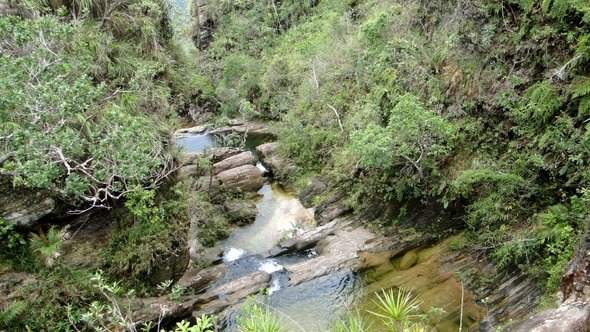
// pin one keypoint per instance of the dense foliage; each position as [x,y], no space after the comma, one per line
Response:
[88,97]
[79,90]
[481,105]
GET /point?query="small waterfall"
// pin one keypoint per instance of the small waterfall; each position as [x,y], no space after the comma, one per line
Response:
[269,266]
[233,254]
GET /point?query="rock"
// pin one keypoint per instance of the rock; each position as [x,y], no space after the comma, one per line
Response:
[244,158]
[279,166]
[222,296]
[203,25]
[246,178]
[303,241]
[330,209]
[191,130]
[570,317]
[575,283]
[188,158]
[241,211]
[156,310]
[197,279]
[337,250]
[574,313]
[314,189]
[25,210]
[214,155]
[239,126]
[170,267]
[409,260]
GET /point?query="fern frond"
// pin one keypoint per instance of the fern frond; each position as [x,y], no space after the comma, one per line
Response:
[12,312]
[584,106]
[580,87]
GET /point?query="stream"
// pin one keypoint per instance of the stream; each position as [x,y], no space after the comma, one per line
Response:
[308,306]
[313,304]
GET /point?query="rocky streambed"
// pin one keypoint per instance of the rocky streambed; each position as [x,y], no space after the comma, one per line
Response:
[333,264]
[314,262]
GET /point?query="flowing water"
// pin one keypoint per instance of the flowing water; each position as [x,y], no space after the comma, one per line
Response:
[315,304]
[309,306]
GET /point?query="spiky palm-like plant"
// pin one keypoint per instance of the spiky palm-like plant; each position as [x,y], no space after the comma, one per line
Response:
[400,311]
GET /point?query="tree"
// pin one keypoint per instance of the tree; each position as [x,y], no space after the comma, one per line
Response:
[63,131]
[413,139]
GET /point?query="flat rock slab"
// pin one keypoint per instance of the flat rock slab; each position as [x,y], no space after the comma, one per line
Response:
[191,130]
[571,317]
[336,252]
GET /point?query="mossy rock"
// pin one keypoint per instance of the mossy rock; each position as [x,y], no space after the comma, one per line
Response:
[410,259]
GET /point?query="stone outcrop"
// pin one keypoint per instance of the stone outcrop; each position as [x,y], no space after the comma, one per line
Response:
[203,25]
[244,158]
[570,317]
[314,189]
[25,209]
[233,169]
[574,312]
[218,298]
[156,310]
[242,127]
[191,131]
[241,212]
[279,166]
[246,178]
[198,279]
[329,209]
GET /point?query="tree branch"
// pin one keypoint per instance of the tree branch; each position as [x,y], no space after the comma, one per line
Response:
[6,157]
[337,116]
[416,166]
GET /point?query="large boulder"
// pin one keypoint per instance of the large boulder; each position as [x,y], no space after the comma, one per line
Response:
[571,317]
[191,131]
[278,165]
[222,296]
[574,313]
[246,178]
[244,158]
[241,211]
[330,209]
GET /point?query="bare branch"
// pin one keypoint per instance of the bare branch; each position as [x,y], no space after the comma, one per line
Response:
[6,157]
[337,116]
[415,164]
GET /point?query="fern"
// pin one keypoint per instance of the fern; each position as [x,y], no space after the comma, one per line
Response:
[11,313]
[580,88]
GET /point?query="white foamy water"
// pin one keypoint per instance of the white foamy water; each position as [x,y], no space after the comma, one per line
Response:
[261,168]
[233,253]
[270,266]
[274,287]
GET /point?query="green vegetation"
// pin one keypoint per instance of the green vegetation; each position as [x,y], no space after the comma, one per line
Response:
[481,106]
[259,318]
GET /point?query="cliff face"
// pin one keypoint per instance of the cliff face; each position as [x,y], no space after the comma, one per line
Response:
[203,25]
